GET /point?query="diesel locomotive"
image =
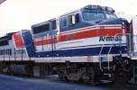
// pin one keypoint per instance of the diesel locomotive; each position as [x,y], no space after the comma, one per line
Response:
[90,44]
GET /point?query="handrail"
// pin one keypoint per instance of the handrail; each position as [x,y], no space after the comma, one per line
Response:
[108,66]
[100,63]
[112,46]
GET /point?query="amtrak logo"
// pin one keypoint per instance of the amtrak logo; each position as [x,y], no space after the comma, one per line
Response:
[110,38]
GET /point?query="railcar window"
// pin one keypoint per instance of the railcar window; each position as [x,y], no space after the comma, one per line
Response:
[41,28]
[9,50]
[63,22]
[3,43]
[5,52]
[0,52]
[54,25]
[19,52]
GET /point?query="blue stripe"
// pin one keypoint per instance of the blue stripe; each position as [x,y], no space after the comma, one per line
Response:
[82,52]
[29,44]
[96,45]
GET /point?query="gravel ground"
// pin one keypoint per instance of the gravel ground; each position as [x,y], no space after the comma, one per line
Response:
[51,83]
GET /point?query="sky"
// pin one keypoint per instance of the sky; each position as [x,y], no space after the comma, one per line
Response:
[21,14]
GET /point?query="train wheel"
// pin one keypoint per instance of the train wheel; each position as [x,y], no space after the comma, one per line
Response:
[88,75]
[85,78]
[62,76]
[73,77]
[121,72]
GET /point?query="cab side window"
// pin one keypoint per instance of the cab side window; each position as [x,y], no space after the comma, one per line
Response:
[74,19]
[69,22]
[71,19]
[77,18]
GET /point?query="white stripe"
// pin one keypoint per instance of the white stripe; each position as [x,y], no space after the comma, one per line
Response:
[91,28]
[81,43]
[92,59]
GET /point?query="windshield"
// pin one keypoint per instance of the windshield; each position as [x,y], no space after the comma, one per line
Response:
[96,16]
[110,16]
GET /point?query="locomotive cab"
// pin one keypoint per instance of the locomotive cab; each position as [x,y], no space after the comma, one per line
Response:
[88,16]
[95,14]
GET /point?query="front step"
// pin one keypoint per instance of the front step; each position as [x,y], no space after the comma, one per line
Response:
[106,78]
[107,74]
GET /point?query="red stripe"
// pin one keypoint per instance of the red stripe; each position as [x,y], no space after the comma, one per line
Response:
[18,40]
[81,35]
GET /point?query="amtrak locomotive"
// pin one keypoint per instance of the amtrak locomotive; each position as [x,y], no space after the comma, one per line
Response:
[89,45]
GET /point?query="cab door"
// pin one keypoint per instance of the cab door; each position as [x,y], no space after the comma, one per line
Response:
[53,33]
